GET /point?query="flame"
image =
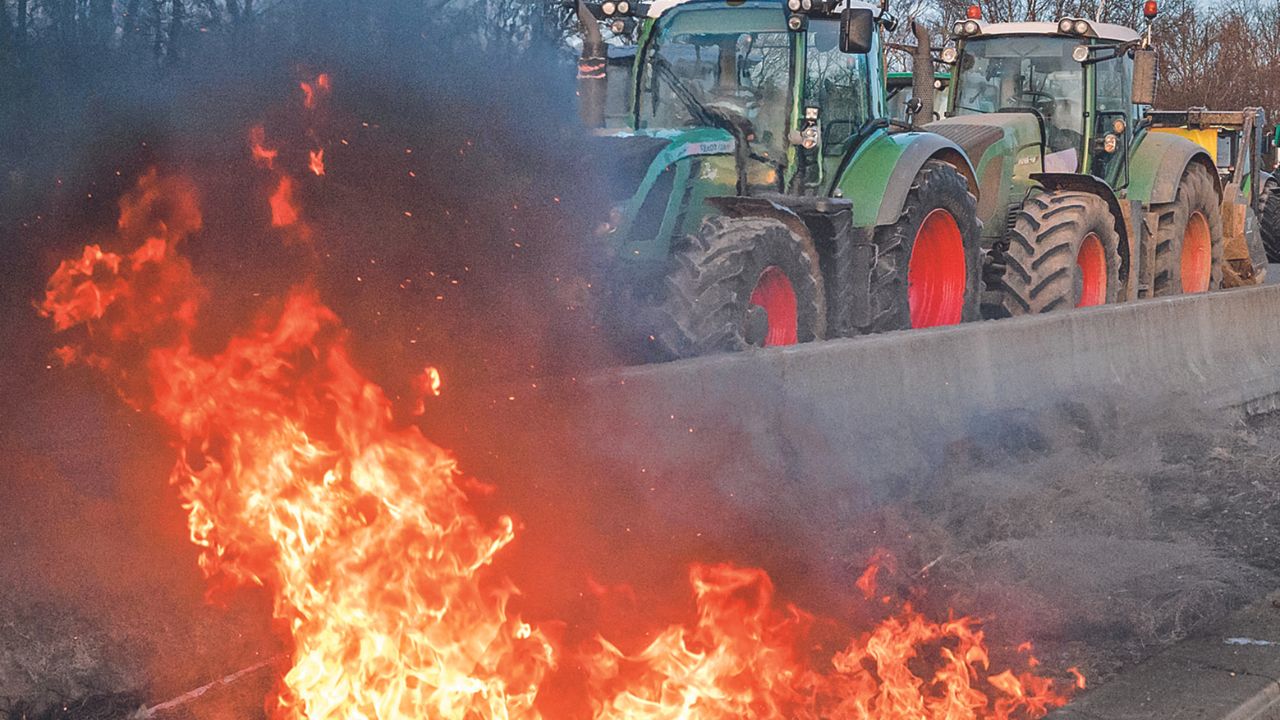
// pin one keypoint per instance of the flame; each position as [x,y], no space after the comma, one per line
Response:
[427,381]
[740,659]
[316,162]
[295,477]
[284,210]
[313,91]
[262,155]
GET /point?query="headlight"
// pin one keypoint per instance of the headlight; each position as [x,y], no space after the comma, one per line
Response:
[1109,143]
[618,26]
[948,55]
[806,4]
[793,5]
[795,23]
[958,28]
[624,7]
[970,27]
[809,137]
[609,8]
[1082,27]
[1080,53]
[1117,126]
[1064,25]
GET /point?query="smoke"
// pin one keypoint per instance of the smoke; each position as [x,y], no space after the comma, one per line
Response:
[448,231]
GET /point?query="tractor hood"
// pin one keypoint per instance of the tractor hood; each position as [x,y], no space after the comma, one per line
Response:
[979,135]
[1005,149]
[631,160]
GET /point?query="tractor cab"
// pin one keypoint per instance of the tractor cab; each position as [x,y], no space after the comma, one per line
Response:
[781,81]
[1073,77]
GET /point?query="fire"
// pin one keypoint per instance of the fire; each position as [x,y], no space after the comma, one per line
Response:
[427,381]
[284,210]
[313,91]
[262,155]
[741,659]
[296,477]
[316,161]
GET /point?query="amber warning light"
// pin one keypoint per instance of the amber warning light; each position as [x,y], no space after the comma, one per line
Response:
[1150,9]
[975,13]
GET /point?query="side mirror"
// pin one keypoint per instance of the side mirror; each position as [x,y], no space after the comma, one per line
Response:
[857,26]
[1144,77]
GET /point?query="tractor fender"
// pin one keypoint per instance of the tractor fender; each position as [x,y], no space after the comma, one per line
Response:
[885,167]
[920,148]
[1157,166]
[1092,185]
[738,206]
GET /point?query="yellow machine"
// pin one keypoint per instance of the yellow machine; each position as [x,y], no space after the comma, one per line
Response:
[1236,139]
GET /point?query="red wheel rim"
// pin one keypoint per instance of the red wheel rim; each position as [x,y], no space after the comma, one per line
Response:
[936,272]
[777,296]
[1092,262]
[1197,255]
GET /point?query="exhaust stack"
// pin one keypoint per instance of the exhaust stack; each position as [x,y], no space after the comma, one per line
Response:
[922,71]
[592,70]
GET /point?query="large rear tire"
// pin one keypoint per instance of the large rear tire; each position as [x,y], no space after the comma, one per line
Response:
[741,283]
[1188,236]
[1269,219]
[927,270]
[1063,253]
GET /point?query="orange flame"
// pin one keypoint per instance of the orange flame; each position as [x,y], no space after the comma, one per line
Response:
[312,92]
[262,155]
[739,660]
[427,381]
[316,161]
[284,211]
[295,477]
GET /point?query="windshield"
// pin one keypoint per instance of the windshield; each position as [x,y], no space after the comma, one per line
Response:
[1034,73]
[837,83]
[745,72]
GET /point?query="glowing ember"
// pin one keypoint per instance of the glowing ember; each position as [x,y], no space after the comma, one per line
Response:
[316,161]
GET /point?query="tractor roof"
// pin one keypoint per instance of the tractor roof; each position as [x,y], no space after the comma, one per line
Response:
[658,7]
[1105,31]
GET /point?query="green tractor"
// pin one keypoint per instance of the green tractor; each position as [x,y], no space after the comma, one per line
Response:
[1081,203]
[900,85]
[760,194]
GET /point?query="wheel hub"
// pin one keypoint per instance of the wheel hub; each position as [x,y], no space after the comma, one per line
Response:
[936,273]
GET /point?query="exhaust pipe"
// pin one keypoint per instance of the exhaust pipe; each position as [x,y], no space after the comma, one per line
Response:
[922,71]
[592,69]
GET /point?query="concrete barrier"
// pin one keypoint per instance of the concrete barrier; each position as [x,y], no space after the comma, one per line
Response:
[879,401]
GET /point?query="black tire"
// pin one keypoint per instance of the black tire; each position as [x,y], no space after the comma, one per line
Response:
[1044,268]
[1269,219]
[1197,193]
[707,306]
[937,186]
